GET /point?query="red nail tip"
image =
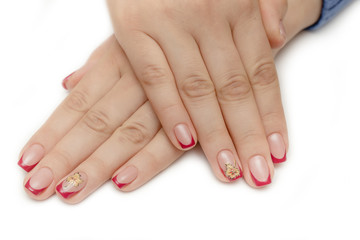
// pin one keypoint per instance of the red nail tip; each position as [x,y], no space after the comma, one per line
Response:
[120,185]
[26,167]
[259,183]
[183,146]
[64,194]
[33,190]
[65,81]
[278,160]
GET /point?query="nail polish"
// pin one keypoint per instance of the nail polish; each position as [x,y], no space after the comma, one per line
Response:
[126,176]
[277,148]
[259,171]
[183,135]
[39,181]
[228,165]
[72,184]
[64,82]
[31,157]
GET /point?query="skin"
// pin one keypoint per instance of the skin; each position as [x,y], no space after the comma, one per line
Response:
[195,63]
[112,138]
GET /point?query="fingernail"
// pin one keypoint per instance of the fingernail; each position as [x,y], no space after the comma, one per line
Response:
[277,148]
[64,82]
[126,176]
[282,30]
[183,135]
[227,163]
[72,184]
[259,170]
[31,157]
[39,181]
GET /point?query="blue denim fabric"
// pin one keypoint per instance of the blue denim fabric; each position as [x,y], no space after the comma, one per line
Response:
[329,10]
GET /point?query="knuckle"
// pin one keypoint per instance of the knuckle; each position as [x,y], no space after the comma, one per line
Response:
[217,135]
[250,136]
[169,107]
[235,87]
[152,75]
[153,163]
[272,117]
[134,132]
[98,121]
[264,75]
[197,86]
[63,158]
[77,101]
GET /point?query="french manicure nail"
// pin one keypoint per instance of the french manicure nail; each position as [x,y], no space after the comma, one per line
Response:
[72,184]
[228,165]
[126,176]
[31,157]
[277,148]
[39,181]
[183,135]
[259,170]
[64,82]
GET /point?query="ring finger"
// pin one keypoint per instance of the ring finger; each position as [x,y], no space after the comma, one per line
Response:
[237,102]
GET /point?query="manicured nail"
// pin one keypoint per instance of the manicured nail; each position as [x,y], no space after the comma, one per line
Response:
[282,30]
[183,135]
[72,184]
[259,170]
[31,157]
[228,165]
[126,176]
[39,181]
[64,82]
[277,148]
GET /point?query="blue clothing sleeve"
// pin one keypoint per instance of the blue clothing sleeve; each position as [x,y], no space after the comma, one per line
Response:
[329,9]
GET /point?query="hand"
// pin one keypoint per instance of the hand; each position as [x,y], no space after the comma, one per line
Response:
[58,132]
[207,65]
[104,129]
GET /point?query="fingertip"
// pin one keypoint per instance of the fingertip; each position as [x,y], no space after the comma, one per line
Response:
[65,82]
[185,138]
[277,37]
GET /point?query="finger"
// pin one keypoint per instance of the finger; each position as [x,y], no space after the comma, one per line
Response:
[273,13]
[198,94]
[88,134]
[261,70]
[147,163]
[124,143]
[237,101]
[73,108]
[153,71]
[72,80]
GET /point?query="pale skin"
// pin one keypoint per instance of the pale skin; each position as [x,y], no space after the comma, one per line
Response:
[109,125]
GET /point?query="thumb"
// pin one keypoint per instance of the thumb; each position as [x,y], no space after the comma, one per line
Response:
[273,12]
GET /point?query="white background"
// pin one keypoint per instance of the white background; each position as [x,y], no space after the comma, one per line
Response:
[314,195]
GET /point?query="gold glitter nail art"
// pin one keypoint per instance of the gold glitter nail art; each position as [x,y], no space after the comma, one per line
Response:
[232,172]
[74,180]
